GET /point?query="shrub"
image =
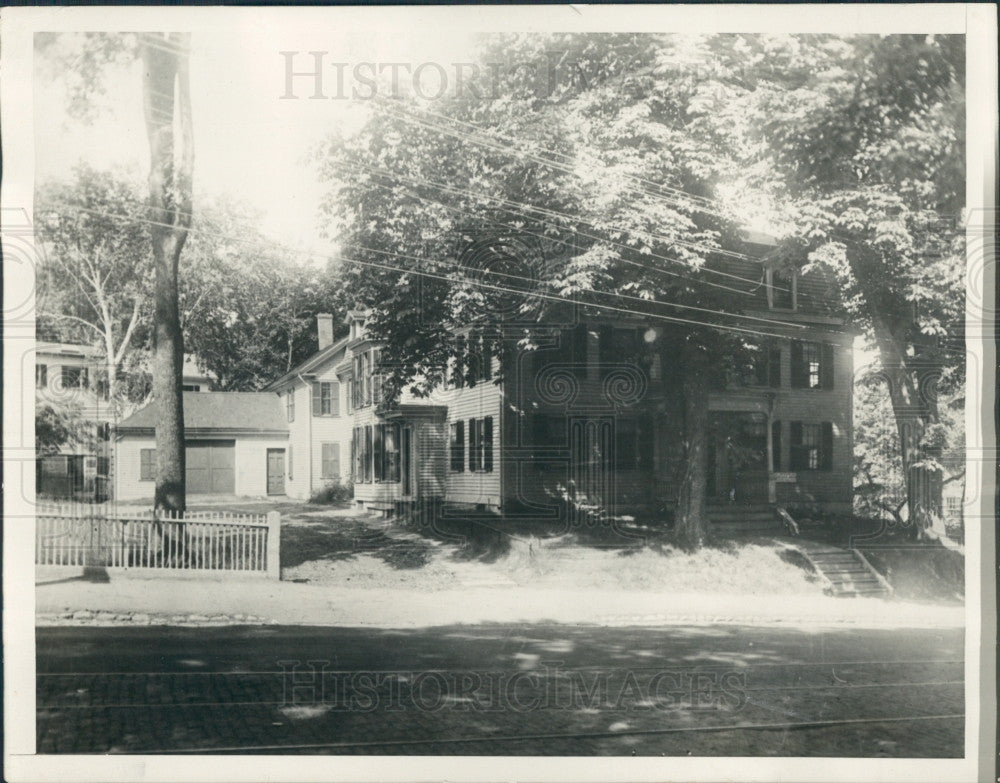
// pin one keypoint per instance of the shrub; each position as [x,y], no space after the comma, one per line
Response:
[334,492]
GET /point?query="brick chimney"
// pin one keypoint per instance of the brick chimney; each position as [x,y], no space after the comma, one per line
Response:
[324,329]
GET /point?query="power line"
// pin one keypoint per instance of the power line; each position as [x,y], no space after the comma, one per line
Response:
[478,138]
[630,261]
[585,290]
[404,270]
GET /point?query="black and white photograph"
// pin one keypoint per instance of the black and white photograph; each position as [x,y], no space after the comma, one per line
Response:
[574,392]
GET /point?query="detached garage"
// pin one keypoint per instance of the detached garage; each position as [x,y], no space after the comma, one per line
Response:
[235,444]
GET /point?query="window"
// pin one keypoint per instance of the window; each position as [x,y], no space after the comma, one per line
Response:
[458,367]
[103,431]
[74,377]
[191,387]
[812,365]
[812,446]
[290,404]
[617,346]
[457,446]
[330,461]
[358,452]
[782,289]
[633,445]
[325,398]
[481,445]
[391,450]
[362,382]
[147,464]
[103,466]
[767,367]
[41,376]
[548,429]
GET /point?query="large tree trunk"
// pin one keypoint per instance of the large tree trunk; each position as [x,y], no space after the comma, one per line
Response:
[914,406]
[691,517]
[168,126]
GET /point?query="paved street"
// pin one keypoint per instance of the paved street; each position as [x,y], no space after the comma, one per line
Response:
[497,689]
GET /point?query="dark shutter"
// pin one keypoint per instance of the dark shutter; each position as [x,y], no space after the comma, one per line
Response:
[487,358]
[473,445]
[605,348]
[317,399]
[367,456]
[826,447]
[774,366]
[826,366]
[378,451]
[800,373]
[579,350]
[473,359]
[487,436]
[776,446]
[646,446]
[796,447]
[458,446]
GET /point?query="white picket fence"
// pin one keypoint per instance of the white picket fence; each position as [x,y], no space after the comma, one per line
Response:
[196,543]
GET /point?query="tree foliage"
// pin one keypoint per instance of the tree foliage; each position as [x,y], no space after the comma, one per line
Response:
[864,137]
[96,273]
[249,308]
[580,176]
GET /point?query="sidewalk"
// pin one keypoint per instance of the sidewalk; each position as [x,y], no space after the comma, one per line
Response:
[128,600]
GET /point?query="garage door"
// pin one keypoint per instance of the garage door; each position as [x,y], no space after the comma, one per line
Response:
[210,467]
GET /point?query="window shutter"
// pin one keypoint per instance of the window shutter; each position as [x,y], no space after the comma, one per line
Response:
[826,447]
[487,359]
[367,454]
[378,453]
[826,366]
[606,348]
[458,446]
[473,445]
[335,398]
[289,462]
[646,448]
[776,446]
[487,436]
[796,450]
[317,400]
[800,374]
[335,460]
[774,367]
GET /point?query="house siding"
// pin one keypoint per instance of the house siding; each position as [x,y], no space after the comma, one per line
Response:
[250,468]
[478,402]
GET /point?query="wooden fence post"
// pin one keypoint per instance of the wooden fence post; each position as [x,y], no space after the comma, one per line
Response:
[273,545]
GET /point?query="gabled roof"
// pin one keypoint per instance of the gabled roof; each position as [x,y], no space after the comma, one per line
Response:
[248,412]
[310,364]
[68,349]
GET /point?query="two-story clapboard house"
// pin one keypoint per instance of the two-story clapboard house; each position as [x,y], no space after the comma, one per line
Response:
[587,415]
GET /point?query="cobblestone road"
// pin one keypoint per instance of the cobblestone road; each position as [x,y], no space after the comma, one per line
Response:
[531,690]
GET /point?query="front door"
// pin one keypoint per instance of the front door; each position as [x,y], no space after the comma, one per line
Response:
[591,448]
[275,471]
